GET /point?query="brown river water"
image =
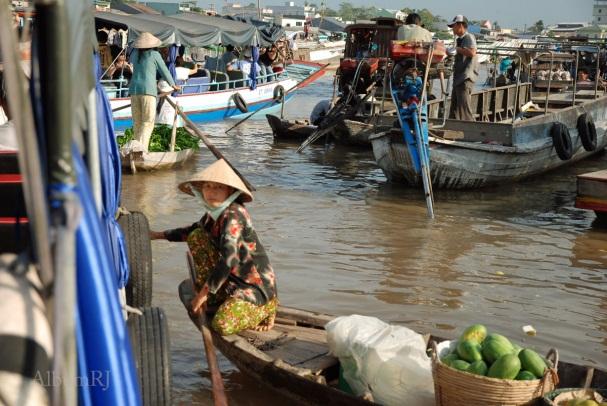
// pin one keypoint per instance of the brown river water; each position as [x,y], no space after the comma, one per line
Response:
[344,241]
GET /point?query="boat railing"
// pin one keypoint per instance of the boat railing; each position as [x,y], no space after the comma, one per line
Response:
[496,104]
[116,88]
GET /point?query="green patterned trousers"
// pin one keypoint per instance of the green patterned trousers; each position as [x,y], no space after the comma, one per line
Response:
[233,315]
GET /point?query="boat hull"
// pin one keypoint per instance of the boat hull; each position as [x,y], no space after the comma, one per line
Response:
[219,105]
[149,161]
[275,358]
[466,165]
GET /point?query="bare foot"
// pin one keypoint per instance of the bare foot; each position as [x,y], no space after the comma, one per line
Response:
[266,325]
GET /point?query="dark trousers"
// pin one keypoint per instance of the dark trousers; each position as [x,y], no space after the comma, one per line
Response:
[461,101]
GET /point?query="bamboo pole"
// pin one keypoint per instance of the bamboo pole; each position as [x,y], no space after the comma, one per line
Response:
[219,395]
[192,129]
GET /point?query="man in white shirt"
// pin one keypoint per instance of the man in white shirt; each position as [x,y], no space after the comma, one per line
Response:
[244,65]
[181,72]
[413,31]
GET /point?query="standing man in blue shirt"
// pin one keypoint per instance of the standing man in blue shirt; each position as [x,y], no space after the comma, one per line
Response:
[465,69]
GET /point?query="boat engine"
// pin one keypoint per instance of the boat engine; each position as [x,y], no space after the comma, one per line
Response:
[363,71]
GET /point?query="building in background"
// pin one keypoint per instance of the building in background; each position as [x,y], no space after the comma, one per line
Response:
[599,12]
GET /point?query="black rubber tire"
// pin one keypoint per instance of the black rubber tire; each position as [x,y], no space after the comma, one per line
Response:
[587,132]
[279,94]
[562,141]
[149,334]
[136,231]
[240,103]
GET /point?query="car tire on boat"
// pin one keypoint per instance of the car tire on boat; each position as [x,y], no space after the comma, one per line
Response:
[136,231]
[149,334]
[562,141]
[587,131]
[240,103]
[279,94]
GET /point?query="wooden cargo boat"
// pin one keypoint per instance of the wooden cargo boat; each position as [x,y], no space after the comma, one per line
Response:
[592,193]
[293,358]
[499,146]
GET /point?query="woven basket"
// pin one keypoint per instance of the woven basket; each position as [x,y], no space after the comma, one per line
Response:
[458,388]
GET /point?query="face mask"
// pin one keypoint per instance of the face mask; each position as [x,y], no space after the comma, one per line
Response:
[215,212]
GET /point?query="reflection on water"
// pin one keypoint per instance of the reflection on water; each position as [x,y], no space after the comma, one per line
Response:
[343,241]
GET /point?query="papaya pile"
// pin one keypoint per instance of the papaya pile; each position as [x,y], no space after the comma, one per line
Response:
[494,356]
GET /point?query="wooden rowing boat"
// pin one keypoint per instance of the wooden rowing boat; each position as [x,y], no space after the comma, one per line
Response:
[293,358]
[149,161]
[353,132]
[290,130]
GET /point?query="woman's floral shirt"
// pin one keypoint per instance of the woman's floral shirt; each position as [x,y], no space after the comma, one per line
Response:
[243,270]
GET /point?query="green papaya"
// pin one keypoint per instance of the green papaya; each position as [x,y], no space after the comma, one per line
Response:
[448,359]
[469,350]
[478,368]
[494,347]
[506,367]
[476,332]
[525,376]
[460,365]
[532,362]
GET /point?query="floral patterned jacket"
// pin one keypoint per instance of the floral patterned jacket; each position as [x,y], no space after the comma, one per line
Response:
[243,266]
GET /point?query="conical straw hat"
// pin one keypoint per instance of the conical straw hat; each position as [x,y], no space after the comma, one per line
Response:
[146,40]
[219,172]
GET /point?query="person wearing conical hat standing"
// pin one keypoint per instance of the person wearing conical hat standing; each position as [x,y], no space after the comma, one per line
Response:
[233,270]
[146,61]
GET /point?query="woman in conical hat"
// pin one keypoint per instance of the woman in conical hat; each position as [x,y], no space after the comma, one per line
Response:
[146,63]
[232,268]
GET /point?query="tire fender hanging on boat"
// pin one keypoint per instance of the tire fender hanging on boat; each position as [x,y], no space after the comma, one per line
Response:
[136,231]
[149,335]
[587,131]
[562,141]
[279,94]
[240,102]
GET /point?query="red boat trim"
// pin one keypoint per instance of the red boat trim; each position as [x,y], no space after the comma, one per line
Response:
[591,204]
[14,220]
[11,178]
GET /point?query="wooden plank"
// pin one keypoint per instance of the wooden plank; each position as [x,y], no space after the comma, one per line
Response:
[306,333]
[314,319]
[297,352]
[477,131]
[320,363]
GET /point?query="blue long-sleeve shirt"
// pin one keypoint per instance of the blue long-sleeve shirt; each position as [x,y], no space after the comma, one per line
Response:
[145,66]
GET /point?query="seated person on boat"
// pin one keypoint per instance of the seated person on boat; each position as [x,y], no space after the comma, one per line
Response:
[232,268]
[413,30]
[120,69]
[245,65]
[183,73]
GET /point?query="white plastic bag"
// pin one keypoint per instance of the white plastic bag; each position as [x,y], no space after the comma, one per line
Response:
[388,361]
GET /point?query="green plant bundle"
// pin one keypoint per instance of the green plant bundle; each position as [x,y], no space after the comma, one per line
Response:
[160,140]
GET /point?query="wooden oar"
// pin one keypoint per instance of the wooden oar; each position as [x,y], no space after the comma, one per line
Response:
[219,395]
[192,129]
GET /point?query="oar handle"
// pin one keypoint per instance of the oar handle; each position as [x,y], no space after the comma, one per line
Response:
[195,131]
